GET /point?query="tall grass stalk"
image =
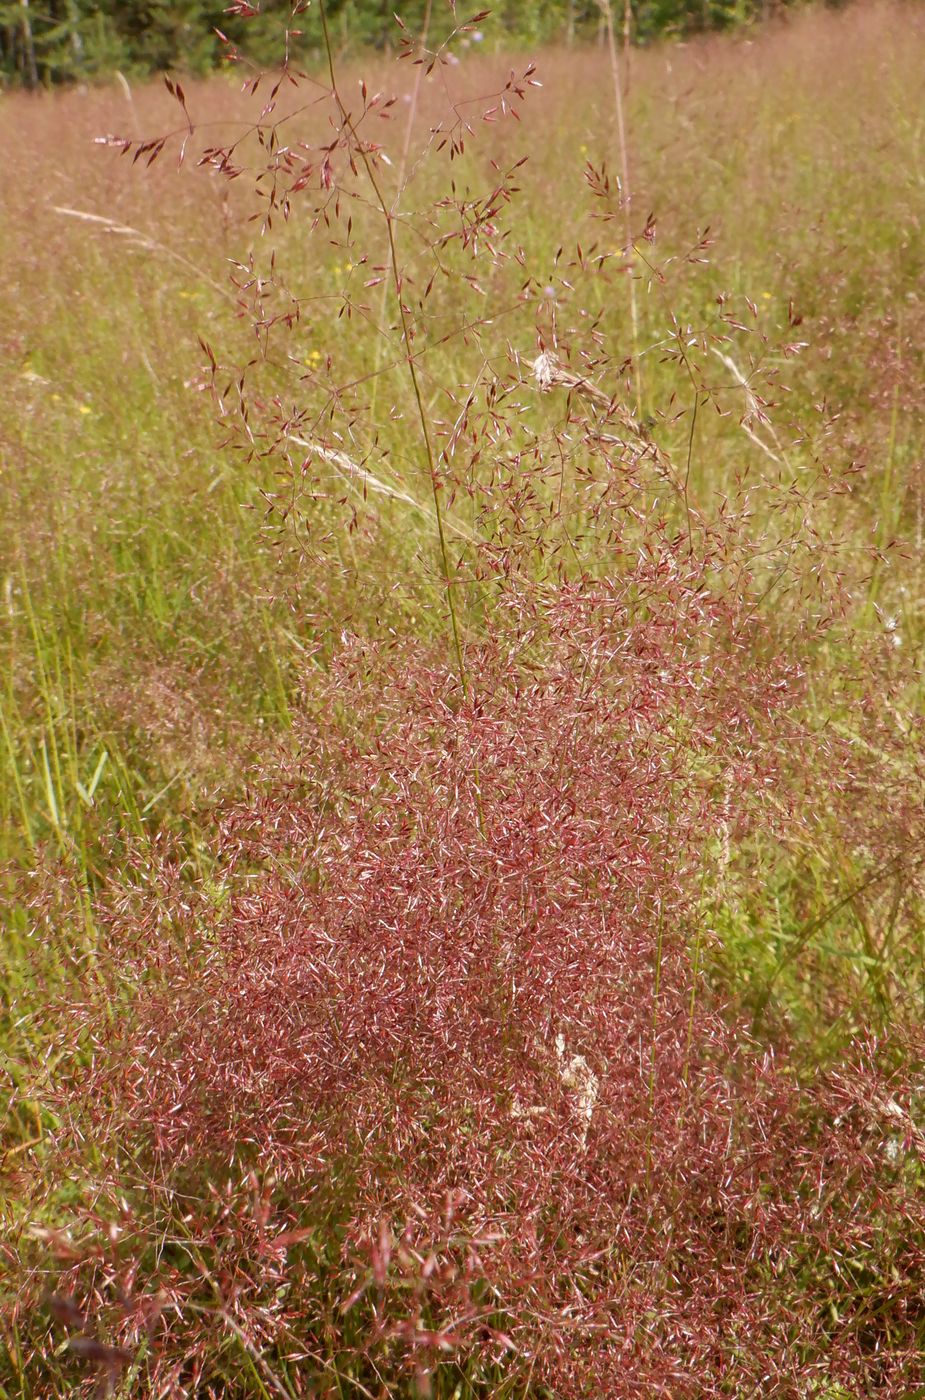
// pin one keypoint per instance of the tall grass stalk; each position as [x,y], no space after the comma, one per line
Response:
[395,273]
[389,215]
[626,198]
[410,120]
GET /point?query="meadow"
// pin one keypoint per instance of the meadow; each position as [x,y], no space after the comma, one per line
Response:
[461,818]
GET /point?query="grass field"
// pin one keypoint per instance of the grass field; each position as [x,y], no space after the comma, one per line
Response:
[397,760]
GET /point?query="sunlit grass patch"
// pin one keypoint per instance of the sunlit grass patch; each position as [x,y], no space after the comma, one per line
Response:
[365,734]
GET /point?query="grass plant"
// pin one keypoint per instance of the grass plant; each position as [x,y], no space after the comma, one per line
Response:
[462,813]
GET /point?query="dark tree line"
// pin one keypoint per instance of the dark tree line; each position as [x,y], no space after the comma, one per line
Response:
[50,41]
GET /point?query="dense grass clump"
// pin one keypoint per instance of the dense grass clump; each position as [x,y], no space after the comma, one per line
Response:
[461,695]
[457,1027]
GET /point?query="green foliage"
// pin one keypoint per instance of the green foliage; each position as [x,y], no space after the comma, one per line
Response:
[52,41]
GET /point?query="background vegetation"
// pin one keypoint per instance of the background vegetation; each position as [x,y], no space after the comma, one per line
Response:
[51,41]
[535,1010]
